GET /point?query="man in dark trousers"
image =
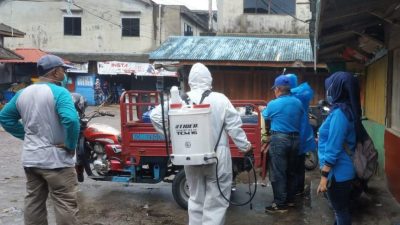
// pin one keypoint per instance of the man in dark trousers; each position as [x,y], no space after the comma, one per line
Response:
[284,115]
[44,117]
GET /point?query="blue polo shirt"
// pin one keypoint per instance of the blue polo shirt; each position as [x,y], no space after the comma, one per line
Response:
[285,113]
[333,133]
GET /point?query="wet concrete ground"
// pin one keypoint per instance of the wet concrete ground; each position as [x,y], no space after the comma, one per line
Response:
[103,203]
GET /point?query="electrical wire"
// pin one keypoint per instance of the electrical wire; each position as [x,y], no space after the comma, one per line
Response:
[288,13]
[91,9]
[111,22]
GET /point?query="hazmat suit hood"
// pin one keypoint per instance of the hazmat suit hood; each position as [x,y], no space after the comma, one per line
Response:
[200,78]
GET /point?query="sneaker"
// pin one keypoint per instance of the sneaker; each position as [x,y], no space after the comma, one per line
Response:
[275,208]
[233,187]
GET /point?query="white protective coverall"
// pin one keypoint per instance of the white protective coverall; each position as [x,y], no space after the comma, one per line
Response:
[206,205]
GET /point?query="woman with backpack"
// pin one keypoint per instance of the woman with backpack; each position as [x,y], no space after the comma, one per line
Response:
[337,134]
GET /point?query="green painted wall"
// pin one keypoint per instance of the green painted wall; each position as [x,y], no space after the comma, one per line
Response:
[377,133]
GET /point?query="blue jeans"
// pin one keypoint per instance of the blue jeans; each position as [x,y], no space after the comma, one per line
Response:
[339,197]
[282,165]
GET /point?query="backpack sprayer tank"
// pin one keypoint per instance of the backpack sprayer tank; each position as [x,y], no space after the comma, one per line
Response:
[190,126]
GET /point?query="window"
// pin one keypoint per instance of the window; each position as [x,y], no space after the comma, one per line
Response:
[72,26]
[375,91]
[187,30]
[282,7]
[130,27]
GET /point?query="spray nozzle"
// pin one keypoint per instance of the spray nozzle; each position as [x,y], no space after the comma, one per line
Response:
[175,98]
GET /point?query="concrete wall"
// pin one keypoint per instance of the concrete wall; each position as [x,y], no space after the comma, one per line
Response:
[377,133]
[231,20]
[173,23]
[195,28]
[101,31]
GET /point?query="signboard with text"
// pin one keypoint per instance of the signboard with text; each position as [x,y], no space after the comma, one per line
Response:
[78,68]
[130,68]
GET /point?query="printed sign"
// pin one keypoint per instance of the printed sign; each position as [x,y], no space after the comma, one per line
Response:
[78,68]
[186,129]
[130,68]
[85,81]
[147,137]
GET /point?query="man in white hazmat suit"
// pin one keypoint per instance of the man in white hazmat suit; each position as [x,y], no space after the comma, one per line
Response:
[206,205]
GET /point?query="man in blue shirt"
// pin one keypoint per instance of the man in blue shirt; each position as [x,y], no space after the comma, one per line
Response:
[284,114]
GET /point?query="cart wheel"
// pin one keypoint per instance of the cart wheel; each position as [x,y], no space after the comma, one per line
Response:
[311,160]
[180,189]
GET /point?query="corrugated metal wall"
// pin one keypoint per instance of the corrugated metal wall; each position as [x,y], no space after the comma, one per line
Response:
[375,91]
[255,84]
[395,114]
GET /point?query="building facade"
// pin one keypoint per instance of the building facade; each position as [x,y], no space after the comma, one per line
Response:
[91,33]
[117,28]
[263,17]
[177,20]
[88,26]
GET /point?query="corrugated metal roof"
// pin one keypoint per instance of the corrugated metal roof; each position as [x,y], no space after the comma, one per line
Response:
[222,48]
[8,31]
[8,54]
[30,55]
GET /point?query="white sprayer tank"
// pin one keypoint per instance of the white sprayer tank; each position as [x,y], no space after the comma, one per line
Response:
[191,138]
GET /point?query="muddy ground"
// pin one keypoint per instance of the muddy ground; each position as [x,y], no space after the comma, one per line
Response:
[105,203]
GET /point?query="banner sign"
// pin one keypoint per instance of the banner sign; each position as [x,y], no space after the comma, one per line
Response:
[78,68]
[131,68]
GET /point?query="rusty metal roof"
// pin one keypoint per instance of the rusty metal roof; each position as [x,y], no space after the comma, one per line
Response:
[223,48]
[30,55]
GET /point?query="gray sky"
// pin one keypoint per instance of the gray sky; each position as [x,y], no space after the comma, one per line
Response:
[191,4]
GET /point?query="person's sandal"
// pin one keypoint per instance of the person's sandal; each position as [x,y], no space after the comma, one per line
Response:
[274,208]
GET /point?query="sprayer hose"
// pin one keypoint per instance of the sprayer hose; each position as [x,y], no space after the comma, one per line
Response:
[252,194]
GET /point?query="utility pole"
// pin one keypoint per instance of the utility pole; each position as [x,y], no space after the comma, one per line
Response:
[159,20]
[269,6]
[210,16]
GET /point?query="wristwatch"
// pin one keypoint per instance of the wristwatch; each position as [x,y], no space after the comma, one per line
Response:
[324,173]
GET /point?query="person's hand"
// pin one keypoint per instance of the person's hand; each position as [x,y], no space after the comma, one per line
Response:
[248,156]
[69,151]
[268,139]
[265,147]
[248,150]
[322,187]
[261,108]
